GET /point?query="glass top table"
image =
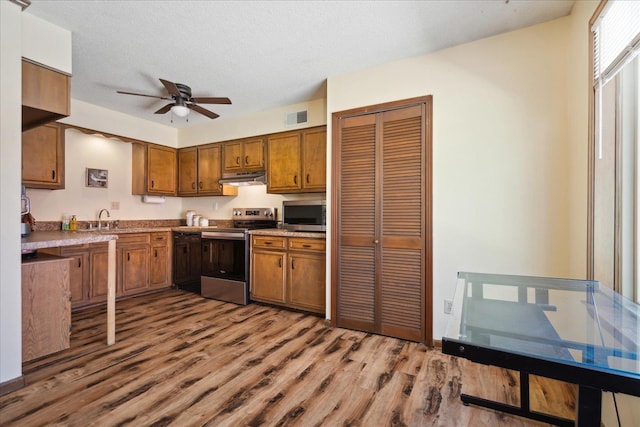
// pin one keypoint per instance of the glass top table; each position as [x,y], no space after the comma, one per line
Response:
[577,331]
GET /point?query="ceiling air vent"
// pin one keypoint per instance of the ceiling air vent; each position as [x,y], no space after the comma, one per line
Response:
[296,118]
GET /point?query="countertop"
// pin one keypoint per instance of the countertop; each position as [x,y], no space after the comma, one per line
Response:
[285,233]
[52,239]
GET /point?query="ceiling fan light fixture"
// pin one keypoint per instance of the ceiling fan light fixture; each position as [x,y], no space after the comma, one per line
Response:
[180,110]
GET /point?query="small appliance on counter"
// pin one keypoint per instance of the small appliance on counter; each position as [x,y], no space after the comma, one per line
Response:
[27,221]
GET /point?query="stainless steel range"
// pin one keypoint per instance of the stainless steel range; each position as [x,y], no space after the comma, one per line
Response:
[225,255]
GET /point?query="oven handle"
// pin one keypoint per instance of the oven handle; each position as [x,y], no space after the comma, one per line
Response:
[221,235]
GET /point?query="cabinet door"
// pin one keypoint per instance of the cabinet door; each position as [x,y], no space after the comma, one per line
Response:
[187,171]
[43,157]
[159,267]
[283,171]
[253,154]
[79,277]
[98,264]
[46,311]
[161,169]
[232,156]
[306,282]
[209,169]
[314,160]
[135,269]
[268,270]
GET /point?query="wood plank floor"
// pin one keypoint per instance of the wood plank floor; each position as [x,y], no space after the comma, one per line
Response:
[182,360]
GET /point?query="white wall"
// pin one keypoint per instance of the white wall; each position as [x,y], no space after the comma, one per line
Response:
[94,151]
[260,123]
[101,119]
[500,152]
[46,43]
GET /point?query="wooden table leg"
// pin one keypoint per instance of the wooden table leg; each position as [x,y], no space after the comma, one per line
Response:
[111,294]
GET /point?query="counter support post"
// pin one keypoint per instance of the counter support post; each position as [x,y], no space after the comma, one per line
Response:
[111,294]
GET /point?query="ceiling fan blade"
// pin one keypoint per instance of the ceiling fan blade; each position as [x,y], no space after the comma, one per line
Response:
[211,100]
[142,94]
[164,109]
[203,111]
[172,88]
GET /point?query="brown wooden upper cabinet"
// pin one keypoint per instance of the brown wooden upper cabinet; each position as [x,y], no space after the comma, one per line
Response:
[154,169]
[45,95]
[200,170]
[244,155]
[43,157]
[296,161]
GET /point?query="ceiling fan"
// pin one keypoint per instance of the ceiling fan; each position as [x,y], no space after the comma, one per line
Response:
[180,94]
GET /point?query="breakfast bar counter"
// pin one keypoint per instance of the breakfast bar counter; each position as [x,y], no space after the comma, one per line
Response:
[51,239]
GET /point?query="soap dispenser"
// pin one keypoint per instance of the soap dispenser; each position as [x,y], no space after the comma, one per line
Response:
[73,224]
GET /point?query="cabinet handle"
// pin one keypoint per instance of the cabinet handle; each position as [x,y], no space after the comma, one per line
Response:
[292,265]
[184,250]
[307,178]
[193,185]
[306,246]
[79,262]
[205,248]
[295,179]
[152,184]
[128,256]
[280,262]
[53,174]
[156,253]
[268,243]
[200,185]
[246,160]
[238,160]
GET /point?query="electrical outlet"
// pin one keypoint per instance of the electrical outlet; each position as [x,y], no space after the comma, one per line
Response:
[447,306]
[115,206]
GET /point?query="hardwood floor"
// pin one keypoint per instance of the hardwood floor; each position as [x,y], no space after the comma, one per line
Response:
[182,360]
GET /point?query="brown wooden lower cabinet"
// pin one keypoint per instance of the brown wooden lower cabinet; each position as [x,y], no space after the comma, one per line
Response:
[46,306]
[142,264]
[289,271]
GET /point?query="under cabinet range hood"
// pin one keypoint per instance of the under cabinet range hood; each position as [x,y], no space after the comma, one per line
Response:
[241,179]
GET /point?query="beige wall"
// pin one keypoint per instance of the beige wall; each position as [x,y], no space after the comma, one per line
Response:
[500,152]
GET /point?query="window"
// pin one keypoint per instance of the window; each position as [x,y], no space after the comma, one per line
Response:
[614,215]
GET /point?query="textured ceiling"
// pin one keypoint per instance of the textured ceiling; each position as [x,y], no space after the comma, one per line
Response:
[261,54]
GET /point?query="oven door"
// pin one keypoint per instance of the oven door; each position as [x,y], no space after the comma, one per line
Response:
[224,266]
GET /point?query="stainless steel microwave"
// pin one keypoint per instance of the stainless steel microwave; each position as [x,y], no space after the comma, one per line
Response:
[304,215]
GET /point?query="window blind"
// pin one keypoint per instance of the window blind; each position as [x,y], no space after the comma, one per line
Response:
[616,38]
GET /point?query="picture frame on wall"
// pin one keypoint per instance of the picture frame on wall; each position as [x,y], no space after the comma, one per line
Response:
[98,178]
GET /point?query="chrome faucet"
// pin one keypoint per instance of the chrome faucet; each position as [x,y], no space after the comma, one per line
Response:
[100,218]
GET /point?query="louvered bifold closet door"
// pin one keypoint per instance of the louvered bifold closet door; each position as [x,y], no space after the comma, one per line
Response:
[356,250]
[401,298]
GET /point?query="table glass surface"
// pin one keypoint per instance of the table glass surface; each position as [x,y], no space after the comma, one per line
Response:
[576,322]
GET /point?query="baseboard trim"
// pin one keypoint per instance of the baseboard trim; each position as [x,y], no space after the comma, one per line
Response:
[12,385]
